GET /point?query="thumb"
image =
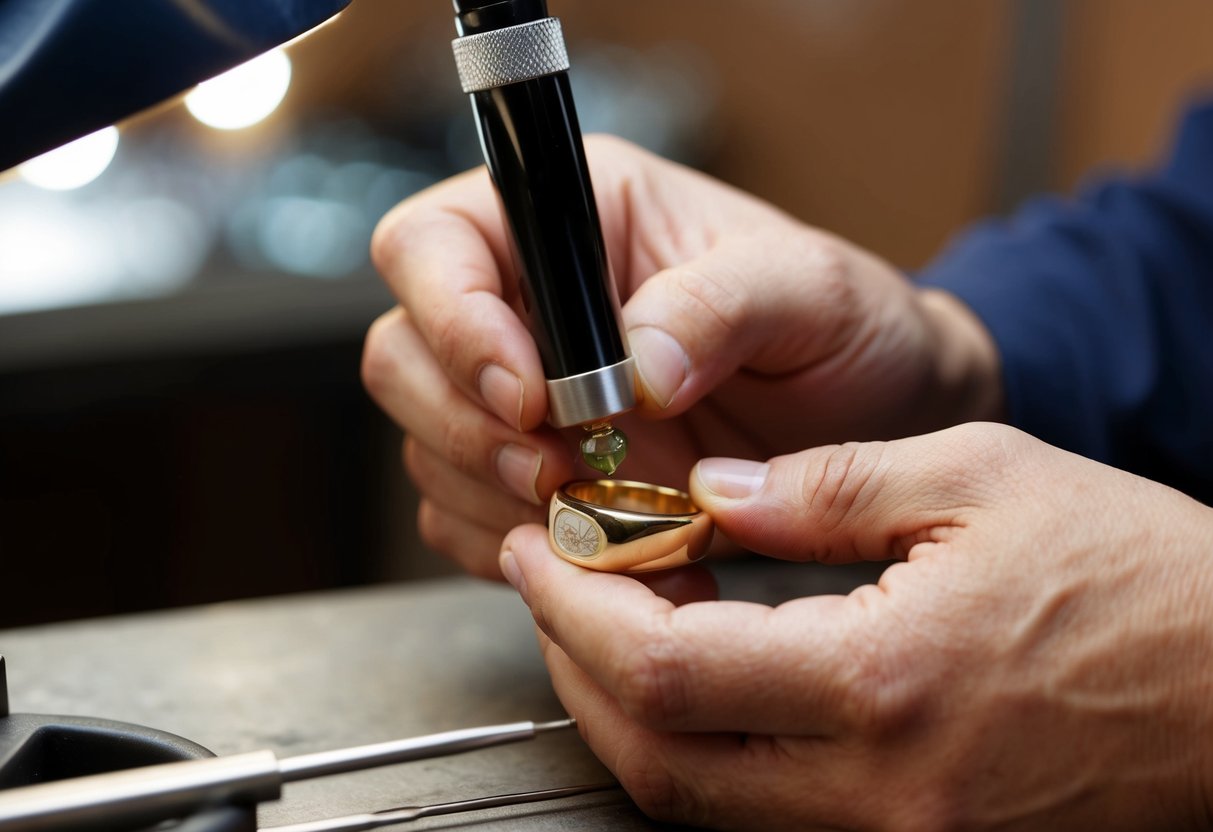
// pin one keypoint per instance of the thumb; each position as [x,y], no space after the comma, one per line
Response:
[861,500]
[774,301]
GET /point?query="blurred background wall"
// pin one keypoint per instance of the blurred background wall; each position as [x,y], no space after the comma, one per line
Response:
[181,419]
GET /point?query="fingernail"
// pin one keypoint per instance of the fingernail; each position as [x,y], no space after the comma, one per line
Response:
[518,467]
[661,362]
[732,479]
[502,392]
[509,568]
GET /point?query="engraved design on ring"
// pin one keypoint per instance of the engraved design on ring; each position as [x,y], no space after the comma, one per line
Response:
[622,526]
[577,534]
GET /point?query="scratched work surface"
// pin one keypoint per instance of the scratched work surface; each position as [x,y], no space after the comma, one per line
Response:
[315,672]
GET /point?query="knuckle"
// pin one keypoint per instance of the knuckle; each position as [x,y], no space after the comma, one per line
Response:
[440,533]
[606,144]
[386,239]
[881,696]
[461,445]
[432,528]
[998,443]
[838,485]
[378,362]
[710,297]
[657,789]
[652,683]
[826,258]
[417,463]
[481,564]
[391,235]
[826,265]
[985,451]
[448,336]
[983,439]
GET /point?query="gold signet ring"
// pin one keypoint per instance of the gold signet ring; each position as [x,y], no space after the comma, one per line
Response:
[620,526]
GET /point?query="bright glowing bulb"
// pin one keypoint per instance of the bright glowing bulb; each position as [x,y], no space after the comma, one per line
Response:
[243,96]
[73,165]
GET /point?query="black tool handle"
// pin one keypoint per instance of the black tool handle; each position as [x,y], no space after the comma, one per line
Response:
[533,147]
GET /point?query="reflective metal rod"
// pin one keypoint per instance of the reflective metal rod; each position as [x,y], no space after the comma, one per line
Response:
[324,763]
[388,817]
[131,797]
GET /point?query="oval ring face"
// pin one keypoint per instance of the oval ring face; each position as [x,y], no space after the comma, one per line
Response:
[620,526]
[576,534]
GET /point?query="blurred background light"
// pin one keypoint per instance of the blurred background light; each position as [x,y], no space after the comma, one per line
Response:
[73,165]
[243,96]
[183,210]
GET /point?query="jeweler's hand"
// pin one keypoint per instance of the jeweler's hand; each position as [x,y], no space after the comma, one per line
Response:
[753,333]
[1043,661]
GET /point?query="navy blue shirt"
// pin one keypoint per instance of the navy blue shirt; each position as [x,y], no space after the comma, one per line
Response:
[1102,309]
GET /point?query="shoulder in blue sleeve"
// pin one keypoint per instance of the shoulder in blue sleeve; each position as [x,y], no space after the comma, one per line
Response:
[1102,309]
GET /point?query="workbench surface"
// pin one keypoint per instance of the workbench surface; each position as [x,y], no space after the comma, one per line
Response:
[314,672]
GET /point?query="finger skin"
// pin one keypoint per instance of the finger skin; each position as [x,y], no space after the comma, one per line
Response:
[1045,668]
[871,500]
[444,256]
[474,548]
[403,378]
[717,781]
[757,782]
[692,667]
[466,497]
[775,301]
[686,585]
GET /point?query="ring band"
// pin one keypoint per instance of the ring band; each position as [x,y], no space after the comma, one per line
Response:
[620,526]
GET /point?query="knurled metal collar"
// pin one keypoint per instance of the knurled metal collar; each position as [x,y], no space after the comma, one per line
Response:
[507,56]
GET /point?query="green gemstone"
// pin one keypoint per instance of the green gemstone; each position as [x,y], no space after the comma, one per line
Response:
[605,450]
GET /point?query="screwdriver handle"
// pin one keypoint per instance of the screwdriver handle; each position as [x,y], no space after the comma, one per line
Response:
[141,796]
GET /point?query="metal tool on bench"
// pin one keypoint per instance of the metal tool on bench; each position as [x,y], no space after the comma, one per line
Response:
[93,798]
[405,814]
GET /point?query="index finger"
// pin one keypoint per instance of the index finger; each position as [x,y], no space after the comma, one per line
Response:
[444,254]
[798,669]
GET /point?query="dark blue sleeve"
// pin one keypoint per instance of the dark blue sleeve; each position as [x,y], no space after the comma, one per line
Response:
[1102,309]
